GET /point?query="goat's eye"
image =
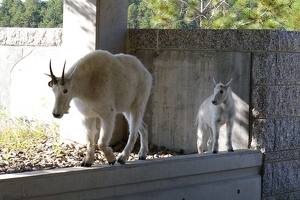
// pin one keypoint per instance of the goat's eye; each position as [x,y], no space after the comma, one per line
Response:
[221,91]
[50,84]
[65,91]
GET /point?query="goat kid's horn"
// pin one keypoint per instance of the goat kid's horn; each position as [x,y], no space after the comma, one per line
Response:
[63,75]
[54,80]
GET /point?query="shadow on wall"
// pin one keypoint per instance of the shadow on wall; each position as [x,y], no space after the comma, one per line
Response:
[79,29]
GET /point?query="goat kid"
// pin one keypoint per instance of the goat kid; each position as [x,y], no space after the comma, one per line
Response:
[214,112]
[102,85]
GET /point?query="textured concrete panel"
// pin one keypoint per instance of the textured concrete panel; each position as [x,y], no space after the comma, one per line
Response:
[31,36]
[276,101]
[229,40]
[287,133]
[276,68]
[288,68]
[276,156]
[264,68]
[286,176]
[263,135]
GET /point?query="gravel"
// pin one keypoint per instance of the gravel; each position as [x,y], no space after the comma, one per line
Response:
[51,155]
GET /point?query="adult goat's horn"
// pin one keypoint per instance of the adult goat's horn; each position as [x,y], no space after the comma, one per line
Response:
[63,75]
[54,80]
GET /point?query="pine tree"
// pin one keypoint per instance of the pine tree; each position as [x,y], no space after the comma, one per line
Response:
[32,15]
[17,11]
[52,14]
[5,14]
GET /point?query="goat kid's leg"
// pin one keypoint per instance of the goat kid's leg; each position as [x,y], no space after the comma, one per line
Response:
[229,126]
[106,130]
[91,131]
[144,141]
[134,124]
[215,138]
[203,134]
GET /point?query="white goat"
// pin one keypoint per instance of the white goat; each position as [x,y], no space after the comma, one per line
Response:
[214,112]
[102,85]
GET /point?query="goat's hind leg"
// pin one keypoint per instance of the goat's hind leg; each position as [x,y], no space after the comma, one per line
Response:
[144,141]
[134,121]
[203,134]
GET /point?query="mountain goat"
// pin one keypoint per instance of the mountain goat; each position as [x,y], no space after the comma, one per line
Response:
[102,85]
[214,112]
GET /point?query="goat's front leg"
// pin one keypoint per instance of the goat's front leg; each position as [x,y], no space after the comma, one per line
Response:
[215,137]
[107,127]
[229,126]
[91,131]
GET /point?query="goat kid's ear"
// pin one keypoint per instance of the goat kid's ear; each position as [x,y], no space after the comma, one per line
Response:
[228,84]
[214,82]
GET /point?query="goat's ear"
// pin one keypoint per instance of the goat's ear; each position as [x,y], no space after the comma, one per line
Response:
[214,82]
[228,84]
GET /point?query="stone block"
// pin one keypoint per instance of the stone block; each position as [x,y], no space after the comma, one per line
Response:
[264,68]
[287,68]
[267,179]
[277,137]
[142,39]
[287,133]
[276,101]
[276,68]
[229,40]
[282,155]
[263,134]
[286,176]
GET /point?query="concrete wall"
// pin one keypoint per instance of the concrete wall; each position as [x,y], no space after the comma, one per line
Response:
[233,176]
[25,55]
[182,60]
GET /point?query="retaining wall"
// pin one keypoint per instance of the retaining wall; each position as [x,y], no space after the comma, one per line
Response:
[231,176]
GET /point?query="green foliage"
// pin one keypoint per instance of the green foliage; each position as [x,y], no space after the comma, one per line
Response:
[217,14]
[21,134]
[31,13]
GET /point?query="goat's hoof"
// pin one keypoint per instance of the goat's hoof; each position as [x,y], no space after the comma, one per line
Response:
[230,150]
[112,163]
[142,157]
[215,151]
[121,161]
[84,164]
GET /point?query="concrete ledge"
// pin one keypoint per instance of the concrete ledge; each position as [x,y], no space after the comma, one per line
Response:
[222,176]
[30,36]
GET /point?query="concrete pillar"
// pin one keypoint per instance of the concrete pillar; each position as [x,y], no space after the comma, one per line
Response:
[111,25]
[90,25]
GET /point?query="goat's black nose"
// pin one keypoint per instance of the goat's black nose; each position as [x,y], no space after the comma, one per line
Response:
[213,102]
[56,115]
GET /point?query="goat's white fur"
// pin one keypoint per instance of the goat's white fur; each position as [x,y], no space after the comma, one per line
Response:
[102,85]
[214,112]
